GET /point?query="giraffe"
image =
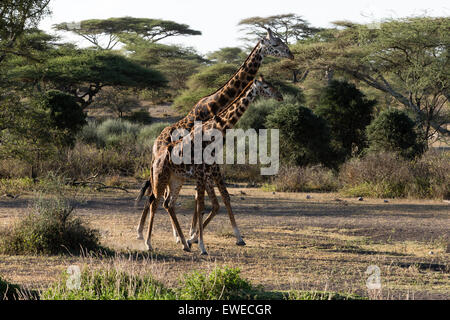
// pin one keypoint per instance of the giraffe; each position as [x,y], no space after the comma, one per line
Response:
[166,173]
[210,105]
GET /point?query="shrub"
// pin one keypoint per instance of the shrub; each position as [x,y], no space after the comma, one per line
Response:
[220,284]
[140,116]
[117,100]
[376,175]
[88,134]
[256,115]
[305,179]
[347,112]
[189,98]
[49,228]
[202,84]
[117,133]
[394,131]
[431,176]
[389,175]
[148,134]
[65,112]
[304,137]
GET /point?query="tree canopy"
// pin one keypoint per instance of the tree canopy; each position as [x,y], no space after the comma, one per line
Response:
[405,58]
[15,18]
[84,72]
[289,27]
[107,33]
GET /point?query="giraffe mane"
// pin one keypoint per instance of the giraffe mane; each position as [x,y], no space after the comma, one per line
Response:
[248,58]
[228,106]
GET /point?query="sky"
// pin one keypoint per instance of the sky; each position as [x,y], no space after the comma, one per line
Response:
[218,20]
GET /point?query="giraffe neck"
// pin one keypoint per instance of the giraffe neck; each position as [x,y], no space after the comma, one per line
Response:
[228,118]
[216,102]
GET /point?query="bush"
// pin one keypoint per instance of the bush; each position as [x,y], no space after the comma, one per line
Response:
[394,131]
[376,175]
[304,179]
[140,116]
[189,98]
[220,284]
[203,84]
[304,136]
[65,112]
[117,133]
[347,112]
[49,228]
[147,135]
[389,175]
[256,115]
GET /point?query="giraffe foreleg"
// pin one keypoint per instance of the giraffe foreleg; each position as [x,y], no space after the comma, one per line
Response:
[200,210]
[175,186]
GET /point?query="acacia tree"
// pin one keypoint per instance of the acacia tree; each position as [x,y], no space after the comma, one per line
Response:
[17,16]
[107,33]
[406,59]
[83,73]
[289,27]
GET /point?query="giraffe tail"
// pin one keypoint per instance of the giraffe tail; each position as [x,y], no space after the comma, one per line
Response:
[144,188]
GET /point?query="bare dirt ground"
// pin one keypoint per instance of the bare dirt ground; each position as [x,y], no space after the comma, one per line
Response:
[322,243]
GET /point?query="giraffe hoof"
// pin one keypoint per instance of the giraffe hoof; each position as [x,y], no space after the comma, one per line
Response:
[140,237]
[240,243]
[149,248]
[204,253]
[189,243]
[187,249]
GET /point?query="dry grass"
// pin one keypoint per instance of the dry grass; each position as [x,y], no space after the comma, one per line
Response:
[322,243]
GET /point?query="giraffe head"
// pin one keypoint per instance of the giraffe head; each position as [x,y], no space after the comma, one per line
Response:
[274,46]
[265,89]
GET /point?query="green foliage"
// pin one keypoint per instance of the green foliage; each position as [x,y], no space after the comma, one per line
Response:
[117,133]
[30,131]
[65,113]
[189,98]
[203,83]
[304,137]
[213,76]
[120,134]
[109,284]
[393,130]
[118,100]
[406,59]
[140,116]
[49,228]
[75,68]
[115,29]
[220,284]
[347,113]
[16,18]
[230,55]
[148,134]
[256,116]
